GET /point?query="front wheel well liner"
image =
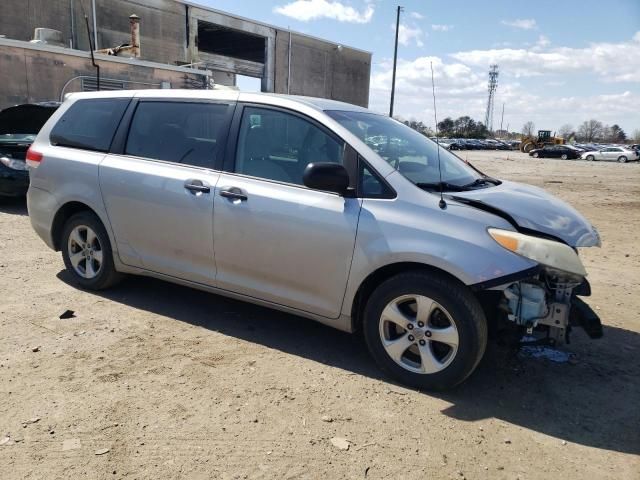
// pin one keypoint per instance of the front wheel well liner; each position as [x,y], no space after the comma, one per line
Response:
[63,214]
[380,275]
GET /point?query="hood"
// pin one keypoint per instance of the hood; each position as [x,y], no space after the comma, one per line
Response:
[27,118]
[533,208]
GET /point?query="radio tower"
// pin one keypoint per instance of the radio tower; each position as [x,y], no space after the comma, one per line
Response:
[492,86]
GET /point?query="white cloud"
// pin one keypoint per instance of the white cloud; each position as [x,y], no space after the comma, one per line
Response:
[543,42]
[414,78]
[441,28]
[417,15]
[305,10]
[409,34]
[612,62]
[523,23]
[461,85]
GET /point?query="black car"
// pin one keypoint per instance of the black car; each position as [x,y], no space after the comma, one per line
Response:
[455,145]
[555,151]
[19,126]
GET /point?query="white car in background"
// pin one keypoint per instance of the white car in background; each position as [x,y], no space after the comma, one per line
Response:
[613,154]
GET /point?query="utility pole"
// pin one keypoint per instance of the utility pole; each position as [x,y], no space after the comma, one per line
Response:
[502,117]
[395,61]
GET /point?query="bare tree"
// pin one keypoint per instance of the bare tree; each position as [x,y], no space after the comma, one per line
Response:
[528,129]
[590,130]
[566,131]
[636,135]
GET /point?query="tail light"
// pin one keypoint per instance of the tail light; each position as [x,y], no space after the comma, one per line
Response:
[33,158]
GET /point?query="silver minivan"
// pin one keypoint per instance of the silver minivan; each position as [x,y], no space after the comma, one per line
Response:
[313,207]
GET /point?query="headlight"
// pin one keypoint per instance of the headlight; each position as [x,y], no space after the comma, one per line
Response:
[547,252]
[12,163]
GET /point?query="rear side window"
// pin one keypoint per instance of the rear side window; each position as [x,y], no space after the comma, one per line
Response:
[188,133]
[89,124]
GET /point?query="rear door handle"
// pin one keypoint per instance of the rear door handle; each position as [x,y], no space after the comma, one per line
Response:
[233,193]
[197,186]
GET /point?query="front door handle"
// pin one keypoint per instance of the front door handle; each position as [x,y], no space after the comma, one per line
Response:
[197,186]
[233,193]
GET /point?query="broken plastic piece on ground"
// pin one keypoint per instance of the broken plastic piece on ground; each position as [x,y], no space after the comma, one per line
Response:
[542,351]
[67,314]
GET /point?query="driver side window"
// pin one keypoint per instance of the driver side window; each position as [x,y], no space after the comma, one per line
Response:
[278,146]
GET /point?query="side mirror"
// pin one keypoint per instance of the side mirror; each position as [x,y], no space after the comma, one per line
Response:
[330,177]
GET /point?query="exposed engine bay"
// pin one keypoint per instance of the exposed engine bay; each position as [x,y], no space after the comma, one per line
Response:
[547,306]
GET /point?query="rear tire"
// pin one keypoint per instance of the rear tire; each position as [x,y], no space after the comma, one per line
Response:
[425,330]
[87,254]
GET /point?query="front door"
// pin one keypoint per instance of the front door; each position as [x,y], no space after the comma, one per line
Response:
[274,238]
[158,191]
[607,153]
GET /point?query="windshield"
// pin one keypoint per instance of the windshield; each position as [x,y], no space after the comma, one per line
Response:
[409,152]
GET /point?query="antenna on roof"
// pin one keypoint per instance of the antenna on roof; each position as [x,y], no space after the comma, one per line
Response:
[442,204]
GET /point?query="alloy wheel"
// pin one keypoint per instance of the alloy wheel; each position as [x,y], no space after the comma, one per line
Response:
[418,334]
[85,252]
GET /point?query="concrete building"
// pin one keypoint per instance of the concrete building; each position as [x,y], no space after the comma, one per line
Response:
[180,45]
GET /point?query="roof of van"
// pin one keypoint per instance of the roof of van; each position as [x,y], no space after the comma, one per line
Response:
[322,104]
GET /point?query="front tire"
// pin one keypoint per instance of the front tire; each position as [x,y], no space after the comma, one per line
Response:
[536,155]
[622,159]
[87,254]
[564,156]
[425,330]
[590,158]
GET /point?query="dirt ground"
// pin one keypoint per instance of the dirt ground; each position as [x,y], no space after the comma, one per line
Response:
[152,380]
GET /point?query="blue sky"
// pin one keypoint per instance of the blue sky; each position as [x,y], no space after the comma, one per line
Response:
[560,61]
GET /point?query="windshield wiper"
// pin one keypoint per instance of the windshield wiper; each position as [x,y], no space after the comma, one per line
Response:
[482,181]
[437,186]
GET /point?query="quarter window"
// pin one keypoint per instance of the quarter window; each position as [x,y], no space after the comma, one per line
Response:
[89,124]
[180,132]
[278,146]
[371,185]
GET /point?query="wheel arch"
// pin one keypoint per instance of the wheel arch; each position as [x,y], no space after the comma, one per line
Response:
[64,213]
[375,278]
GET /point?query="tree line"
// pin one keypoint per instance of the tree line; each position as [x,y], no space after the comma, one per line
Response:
[462,127]
[588,131]
[466,127]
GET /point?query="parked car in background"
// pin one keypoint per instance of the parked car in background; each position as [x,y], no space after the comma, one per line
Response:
[455,144]
[500,145]
[611,154]
[444,143]
[473,144]
[19,126]
[556,151]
